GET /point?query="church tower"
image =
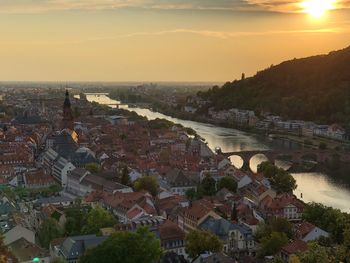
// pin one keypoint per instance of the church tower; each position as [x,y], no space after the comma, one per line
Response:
[68,120]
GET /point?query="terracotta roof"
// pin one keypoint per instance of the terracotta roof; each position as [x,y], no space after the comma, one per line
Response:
[39,178]
[303,229]
[170,231]
[199,209]
[295,247]
[134,212]
[284,200]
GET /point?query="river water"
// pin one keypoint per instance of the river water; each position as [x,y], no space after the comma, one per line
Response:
[315,187]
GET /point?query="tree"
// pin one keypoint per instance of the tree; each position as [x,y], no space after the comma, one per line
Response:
[280,225]
[281,180]
[207,186]
[125,178]
[270,245]
[49,230]
[98,218]
[93,167]
[330,219]
[148,183]
[191,194]
[343,250]
[76,218]
[126,247]
[198,242]
[229,183]
[315,254]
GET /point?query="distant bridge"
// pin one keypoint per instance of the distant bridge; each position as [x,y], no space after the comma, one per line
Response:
[293,156]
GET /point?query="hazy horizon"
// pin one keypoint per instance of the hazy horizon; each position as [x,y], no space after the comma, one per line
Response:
[162,41]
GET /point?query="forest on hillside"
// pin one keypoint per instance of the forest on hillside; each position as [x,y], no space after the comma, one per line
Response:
[315,89]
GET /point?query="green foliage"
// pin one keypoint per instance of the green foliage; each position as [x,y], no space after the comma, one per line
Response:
[98,218]
[229,183]
[160,124]
[191,194]
[49,230]
[324,241]
[93,167]
[343,250]
[190,131]
[125,178]
[207,186]
[147,183]
[281,225]
[315,254]
[272,244]
[22,192]
[311,89]
[75,220]
[281,180]
[126,247]
[330,219]
[198,242]
[342,253]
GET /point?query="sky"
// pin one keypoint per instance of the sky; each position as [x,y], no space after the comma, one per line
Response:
[163,40]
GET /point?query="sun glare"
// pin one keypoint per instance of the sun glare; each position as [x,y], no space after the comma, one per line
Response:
[317,8]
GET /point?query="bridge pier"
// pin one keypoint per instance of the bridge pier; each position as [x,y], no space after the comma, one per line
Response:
[246,166]
[297,156]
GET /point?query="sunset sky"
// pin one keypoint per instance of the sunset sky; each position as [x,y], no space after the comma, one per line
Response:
[162,40]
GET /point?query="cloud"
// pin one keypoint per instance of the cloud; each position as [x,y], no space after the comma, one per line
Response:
[38,6]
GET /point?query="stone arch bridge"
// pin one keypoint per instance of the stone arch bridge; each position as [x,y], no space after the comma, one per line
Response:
[293,156]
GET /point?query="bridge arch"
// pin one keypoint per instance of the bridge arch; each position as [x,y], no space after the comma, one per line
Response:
[257,159]
[237,161]
[295,157]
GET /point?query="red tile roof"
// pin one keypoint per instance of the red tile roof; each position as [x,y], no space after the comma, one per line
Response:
[295,247]
[199,209]
[170,231]
[303,229]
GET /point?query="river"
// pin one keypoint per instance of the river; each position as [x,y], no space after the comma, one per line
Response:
[315,187]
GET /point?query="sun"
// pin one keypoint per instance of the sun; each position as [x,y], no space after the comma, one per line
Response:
[317,8]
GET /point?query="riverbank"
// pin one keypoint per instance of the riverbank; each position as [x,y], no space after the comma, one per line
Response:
[233,140]
[304,141]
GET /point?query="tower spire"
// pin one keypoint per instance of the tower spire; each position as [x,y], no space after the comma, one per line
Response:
[67,121]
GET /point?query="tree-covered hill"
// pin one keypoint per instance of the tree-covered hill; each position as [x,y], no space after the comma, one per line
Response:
[315,88]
